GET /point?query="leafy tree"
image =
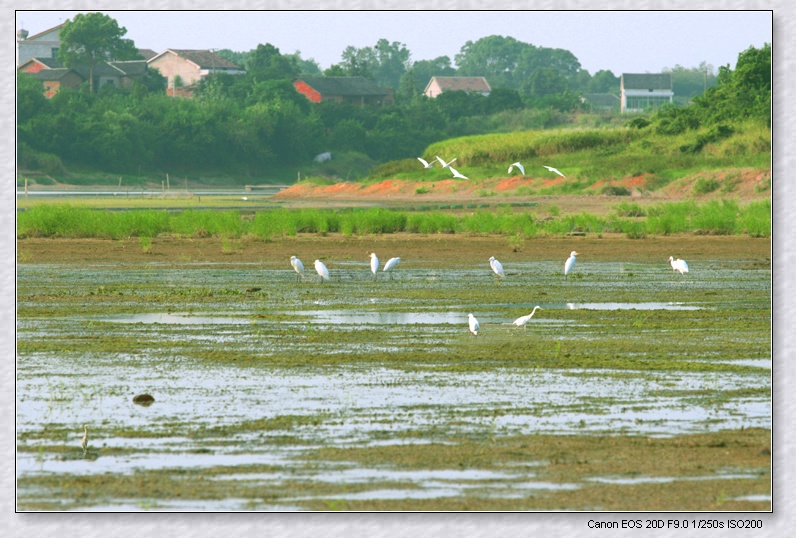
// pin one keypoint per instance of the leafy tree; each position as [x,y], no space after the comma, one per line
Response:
[267,63]
[384,63]
[92,38]
[546,81]
[30,98]
[604,81]
[688,83]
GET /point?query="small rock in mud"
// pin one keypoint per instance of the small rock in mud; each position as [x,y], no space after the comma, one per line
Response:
[144,400]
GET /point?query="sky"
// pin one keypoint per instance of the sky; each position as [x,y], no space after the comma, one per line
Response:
[619,41]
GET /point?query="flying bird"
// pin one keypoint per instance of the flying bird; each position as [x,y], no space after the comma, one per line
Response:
[521,321]
[678,265]
[323,272]
[297,266]
[518,165]
[474,325]
[554,170]
[391,264]
[569,263]
[496,266]
[374,264]
[426,164]
[444,164]
[457,174]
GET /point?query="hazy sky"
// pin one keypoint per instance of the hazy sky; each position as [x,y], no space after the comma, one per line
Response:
[621,41]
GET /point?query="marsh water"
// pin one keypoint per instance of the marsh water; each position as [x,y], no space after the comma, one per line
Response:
[254,373]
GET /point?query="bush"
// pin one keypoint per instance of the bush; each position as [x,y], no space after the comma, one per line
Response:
[705,185]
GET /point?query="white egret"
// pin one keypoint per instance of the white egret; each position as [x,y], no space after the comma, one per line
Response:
[426,164]
[518,165]
[474,325]
[446,164]
[84,441]
[298,267]
[496,266]
[521,321]
[569,263]
[554,170]
[323,272]
[374,264]
[457,174]
[391,264]
[678,265]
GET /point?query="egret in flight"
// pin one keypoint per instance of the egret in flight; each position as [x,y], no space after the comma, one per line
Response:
[457,174]
[519,166]
[322,270]
[496,266]
[374,264]
[678,265]
[554,170]
[298,267]
[426,164]
[391,264]
[569,263]
[474,325]
[446,164]
[520,322]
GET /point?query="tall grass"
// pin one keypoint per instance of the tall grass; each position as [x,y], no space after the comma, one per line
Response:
[714,217]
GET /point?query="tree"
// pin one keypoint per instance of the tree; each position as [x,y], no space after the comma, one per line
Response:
[267,63]
[604,81]
[422,71]
[92,38]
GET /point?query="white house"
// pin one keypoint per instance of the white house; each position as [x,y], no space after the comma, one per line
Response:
[42,45]
[438,85]
[640,92]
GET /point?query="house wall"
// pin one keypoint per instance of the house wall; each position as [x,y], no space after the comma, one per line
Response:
[51,87]
[39,47]
[171,65]
[433,90]
[306,90]
[638,100]
[35,67]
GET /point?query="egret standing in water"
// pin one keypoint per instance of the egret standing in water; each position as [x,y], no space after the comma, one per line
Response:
[298,267]
[496,267]
[474,325]
[678,265]
[322,270]
[374,264]
[84,441]
[391,264]
[520,322]
[570,263]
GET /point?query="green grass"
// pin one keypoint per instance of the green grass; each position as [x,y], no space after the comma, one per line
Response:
[725,217]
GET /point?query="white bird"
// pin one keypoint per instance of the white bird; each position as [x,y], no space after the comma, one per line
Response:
[569,263]
[554,170]
[521,321]
[457,174]
[322,270]
[444,164]
[678,265]
[426,164]
[84,441]
[474,325]
[374,263]
[391,264]
[297,266]
[497,267]
[518,165]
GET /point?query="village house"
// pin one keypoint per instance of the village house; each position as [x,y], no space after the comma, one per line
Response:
[186,68]
[356,90]
[42,45]
[54,75]
[640,92]
[438,85]
[601,102]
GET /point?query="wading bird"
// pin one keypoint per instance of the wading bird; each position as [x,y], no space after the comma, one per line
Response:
[374,264]
[496,266]
[391,264]
[554,170]
[426,164]
[323,272]
[520,322]
[298,267]
[457,174]
[446,164]
[570,263]
[84,441]
[519,166]
[474,325]
[678,265]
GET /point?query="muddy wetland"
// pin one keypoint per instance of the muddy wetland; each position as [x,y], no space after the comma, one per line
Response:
[210,378]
